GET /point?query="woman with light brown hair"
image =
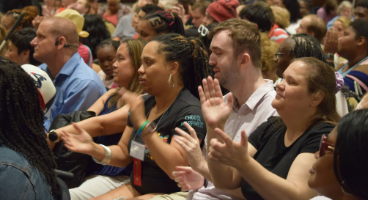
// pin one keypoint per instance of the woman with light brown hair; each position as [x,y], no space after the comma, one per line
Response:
[282,16]
[11,16]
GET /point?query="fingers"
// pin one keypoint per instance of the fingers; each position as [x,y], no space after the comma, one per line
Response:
[244,139]
[218,92]
[183,143]
[186,169]
[202,97]
[224,136]
[206,89]
[191,130]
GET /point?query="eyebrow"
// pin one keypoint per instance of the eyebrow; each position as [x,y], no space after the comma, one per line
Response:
[147,57]
[215,48]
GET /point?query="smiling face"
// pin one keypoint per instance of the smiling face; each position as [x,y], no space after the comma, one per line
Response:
[106,56]
[322,178]
[123,67]
[222,59]
[292,92]
[154,71]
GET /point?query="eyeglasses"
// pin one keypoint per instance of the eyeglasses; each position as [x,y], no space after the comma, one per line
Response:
[203,30]
[278,54]
[325,146]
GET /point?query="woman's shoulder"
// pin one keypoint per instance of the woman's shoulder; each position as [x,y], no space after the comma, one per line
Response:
[186,98]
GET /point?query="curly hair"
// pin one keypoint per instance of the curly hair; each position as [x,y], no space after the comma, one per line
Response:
[190,54]
[268,48]
[97,30]
[282,16]
[31,13]
[307,46]
[21,119]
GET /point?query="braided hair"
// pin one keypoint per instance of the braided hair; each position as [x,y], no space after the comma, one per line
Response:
[307,46]
[165,22]
[31,13]
[191,56]
[21,119]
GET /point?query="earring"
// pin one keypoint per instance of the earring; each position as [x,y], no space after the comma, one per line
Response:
[343,190]
[173,84]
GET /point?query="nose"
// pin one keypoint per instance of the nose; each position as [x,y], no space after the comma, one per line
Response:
[7,54]
[34,42]
[141,70]
[115,65]
[280,86]
[211,60]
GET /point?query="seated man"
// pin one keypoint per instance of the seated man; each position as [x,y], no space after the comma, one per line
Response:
[77,85]
[314,26]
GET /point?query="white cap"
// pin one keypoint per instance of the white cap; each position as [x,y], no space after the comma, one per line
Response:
[44,85]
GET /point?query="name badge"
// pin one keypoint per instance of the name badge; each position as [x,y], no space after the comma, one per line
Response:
[137,150]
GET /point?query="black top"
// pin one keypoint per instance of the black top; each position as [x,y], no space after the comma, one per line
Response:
[186,107]
[272,153]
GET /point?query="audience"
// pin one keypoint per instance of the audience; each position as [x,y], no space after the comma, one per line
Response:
[282,16]
[82,6]
[198,15]
[345,9]
[114,10]
[305,7]
[274,163]
[328,11]
[103,178]
[11,16]
[353,46]
[167,63]
[49,8]
[337,173]
[97,30]
[237,42]
[65,4]
[159,23]
[27,164]
[313,26]
[20,49]
[78,86]
[265,20]
[294,9]
[219,11]
[361,10]
[106,55]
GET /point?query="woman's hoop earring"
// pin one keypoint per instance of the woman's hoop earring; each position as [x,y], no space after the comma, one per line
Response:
[173,84]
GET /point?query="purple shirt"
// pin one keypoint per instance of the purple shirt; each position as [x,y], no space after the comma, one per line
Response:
[256,110]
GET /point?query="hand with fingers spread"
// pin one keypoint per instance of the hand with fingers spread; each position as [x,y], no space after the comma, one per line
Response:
[191,145]
[187,178]
[81,142]
[230,153]
[136,103]
[215,110]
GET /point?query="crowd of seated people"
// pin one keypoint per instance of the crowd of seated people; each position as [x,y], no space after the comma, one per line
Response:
[189,100]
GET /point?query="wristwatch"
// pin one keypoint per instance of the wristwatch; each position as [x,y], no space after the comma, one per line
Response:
[53,136]
[151,127]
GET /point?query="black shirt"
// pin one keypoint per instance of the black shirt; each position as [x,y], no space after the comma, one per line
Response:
[272,153]
[186,107]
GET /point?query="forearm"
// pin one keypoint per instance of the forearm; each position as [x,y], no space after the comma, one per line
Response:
[202,168]
[223,176]
[119,156]
[269,185]
[165,155]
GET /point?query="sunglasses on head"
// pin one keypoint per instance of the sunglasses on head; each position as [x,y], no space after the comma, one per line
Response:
[325,146]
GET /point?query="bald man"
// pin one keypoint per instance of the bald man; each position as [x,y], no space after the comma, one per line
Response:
[77,85]
[314,26]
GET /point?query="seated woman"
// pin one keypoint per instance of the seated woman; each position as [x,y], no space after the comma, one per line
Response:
[101,178]
[20,49]
[158,23]
[172,69]
[340,171]
[12,15]
[27,164]
[274,162]
[353,46]
[106,55]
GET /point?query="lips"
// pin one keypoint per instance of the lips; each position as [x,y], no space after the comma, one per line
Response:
[142,80]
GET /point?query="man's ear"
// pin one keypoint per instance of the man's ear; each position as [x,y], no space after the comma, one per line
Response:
[245,59]
[317,99]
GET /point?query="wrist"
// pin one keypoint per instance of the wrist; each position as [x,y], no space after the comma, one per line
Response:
[199,166]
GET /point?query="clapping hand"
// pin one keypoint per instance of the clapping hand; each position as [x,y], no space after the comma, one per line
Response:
[331,41]
[136,103]
[80,143]
[215,110]
[230,153]
[187,178]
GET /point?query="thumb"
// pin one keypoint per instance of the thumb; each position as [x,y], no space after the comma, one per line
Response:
[229,100]
[186,169]
[244,139]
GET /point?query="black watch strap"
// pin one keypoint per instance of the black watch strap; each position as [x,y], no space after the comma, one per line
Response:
[53,136]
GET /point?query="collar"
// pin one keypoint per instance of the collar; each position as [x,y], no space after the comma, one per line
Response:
[255,98]
[70,65]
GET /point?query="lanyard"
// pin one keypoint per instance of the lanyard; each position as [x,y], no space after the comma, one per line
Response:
[344,74]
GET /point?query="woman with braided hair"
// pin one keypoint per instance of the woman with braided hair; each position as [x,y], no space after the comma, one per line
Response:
[172,69]
[12,15]
[27,164]
[159,22]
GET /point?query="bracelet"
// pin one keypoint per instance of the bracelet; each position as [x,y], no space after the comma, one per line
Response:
[107,157]
[141,128]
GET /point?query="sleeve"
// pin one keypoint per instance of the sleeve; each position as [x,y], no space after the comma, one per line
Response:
[82,95]
[124,28]
[193,116]
[311,144]
[19,187]
[261,131]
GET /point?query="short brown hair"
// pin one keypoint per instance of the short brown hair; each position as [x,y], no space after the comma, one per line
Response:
[202,5]
[245,36]
[317,26]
